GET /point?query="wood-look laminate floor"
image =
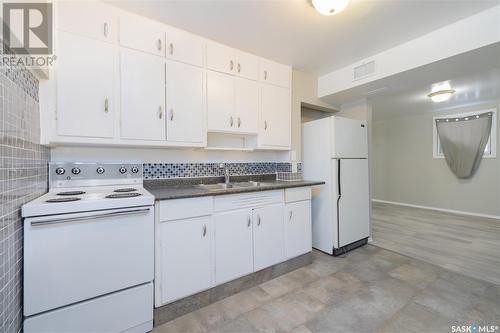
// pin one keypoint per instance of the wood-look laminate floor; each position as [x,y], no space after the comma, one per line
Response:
[463,244]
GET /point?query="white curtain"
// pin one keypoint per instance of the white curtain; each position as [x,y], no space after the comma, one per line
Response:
[463,141]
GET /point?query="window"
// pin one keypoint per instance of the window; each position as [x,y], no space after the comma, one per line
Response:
[489,151]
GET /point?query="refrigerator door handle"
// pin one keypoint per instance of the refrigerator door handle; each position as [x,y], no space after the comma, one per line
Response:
[338,178]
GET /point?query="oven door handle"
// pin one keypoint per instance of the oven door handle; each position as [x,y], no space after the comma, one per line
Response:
[85,216]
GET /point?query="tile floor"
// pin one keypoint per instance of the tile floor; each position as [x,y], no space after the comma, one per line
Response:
[371,290]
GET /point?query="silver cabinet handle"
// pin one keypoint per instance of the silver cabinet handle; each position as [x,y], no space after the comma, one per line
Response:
[159,44]
[231,65]
[239,122]
[171,114]
[231,122]
[160,112]
[105,29]
[265,75]
[258,220]
[106,105]
[239,68]
[290,216]
[249,221]
[204,230]
[171,48]
[265,124]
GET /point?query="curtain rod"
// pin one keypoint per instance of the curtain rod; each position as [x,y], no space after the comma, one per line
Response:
[477,116]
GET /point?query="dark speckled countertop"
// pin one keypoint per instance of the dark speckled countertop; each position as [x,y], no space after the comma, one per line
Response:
[164,189]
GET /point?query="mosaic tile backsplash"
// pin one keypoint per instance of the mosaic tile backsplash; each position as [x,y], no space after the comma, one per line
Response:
[176,170]
[23,177]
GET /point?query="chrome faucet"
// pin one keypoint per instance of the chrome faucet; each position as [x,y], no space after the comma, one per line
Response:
[226,173]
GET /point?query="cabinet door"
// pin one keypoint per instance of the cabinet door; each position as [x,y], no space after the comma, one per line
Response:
[298,228]
[185,116]
[274,127]
[268,236]
[185,260]
[274,73]
[247,105]
[233,245]
[85,83]
[142,34]
[247,65]
[184,47]
[220,102]
[87,18]
[220,58]
[142,96]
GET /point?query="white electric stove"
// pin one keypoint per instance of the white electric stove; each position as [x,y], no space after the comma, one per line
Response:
[89,251]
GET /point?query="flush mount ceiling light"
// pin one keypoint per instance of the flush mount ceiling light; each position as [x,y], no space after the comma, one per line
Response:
[441,92]
[330,7]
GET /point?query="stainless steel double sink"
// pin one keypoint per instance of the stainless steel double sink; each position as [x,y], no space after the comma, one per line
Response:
[224,186]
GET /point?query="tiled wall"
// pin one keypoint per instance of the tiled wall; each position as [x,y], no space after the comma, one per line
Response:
[176,170]
[23,177]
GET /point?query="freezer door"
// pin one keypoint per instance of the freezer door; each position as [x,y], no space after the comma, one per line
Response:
[349,138]
[353,205]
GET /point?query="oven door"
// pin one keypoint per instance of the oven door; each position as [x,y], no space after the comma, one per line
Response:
[69,258]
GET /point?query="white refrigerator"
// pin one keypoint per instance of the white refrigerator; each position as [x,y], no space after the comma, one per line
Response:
[335,150]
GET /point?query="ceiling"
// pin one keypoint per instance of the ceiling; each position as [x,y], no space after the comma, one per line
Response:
[292,32]
[474,76]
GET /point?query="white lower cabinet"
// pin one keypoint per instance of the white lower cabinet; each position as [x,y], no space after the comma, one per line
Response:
[185,252]
[297,228]
[268,238]
[233,245]
[204,242]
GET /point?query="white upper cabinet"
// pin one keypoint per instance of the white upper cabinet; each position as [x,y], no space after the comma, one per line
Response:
[185,106]
[233,245]
[274,124]
[274,73]
[220,58]
[142,96]
[220,102]
[87,18]
[85,103]
[246,105]
[184,47]
[142,34]
[247,65]
[225,59]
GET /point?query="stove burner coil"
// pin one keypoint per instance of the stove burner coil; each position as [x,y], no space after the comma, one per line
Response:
[125,190]
[63,199]
[122,195]
[71,193]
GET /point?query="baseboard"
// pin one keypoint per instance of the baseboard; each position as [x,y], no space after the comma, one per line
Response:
[458,212]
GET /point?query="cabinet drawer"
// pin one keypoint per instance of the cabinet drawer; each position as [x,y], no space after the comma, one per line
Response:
[247,200]
[142,34]
[297,194]
[184,208]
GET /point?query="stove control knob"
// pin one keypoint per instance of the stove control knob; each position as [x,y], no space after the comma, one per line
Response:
[135,169]
[122,169]
[60,171]
[100,170]
[76,171]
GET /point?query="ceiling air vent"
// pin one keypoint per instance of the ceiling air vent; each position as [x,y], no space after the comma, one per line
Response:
[364,70]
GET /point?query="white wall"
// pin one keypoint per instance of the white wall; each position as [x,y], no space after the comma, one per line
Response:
[405,171]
